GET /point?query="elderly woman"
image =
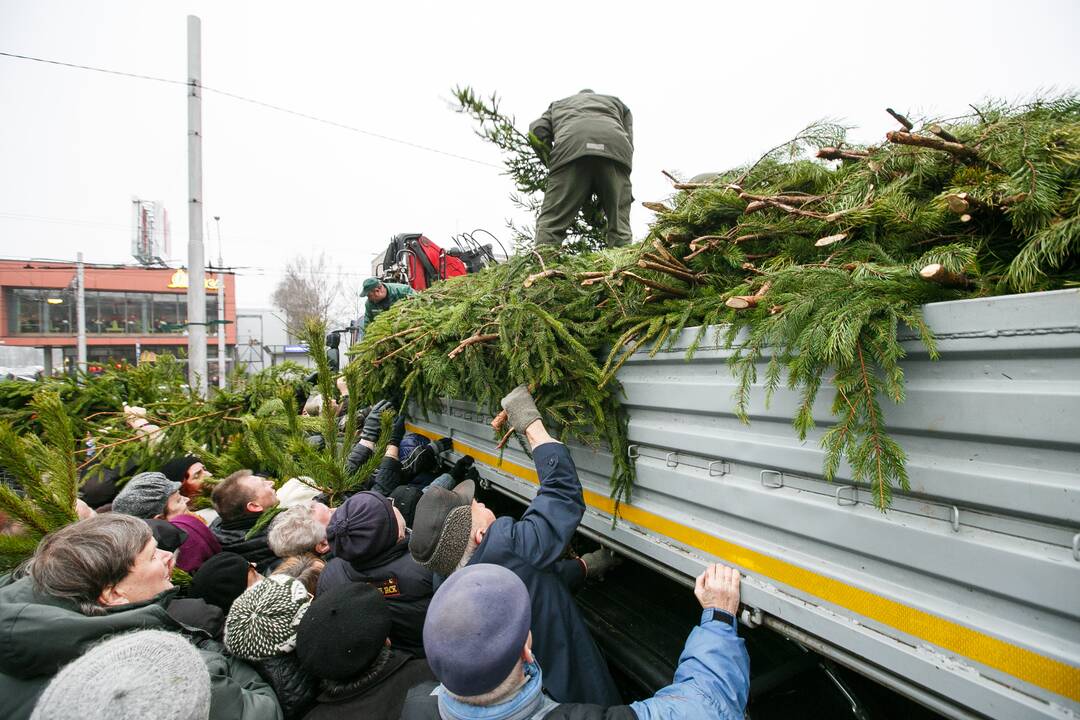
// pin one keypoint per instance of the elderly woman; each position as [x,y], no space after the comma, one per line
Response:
[152,495]
[92,579]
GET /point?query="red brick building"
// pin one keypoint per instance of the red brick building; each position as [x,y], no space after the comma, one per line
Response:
[129,310]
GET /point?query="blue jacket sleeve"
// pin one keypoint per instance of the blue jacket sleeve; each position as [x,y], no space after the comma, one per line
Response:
[712,680]
[551,519]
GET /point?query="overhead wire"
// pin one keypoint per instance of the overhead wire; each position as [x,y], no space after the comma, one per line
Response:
[256,102]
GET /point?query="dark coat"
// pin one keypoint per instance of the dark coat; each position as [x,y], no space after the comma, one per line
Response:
[42,634]
[363,533]
[404,583]
[294,686]
[232,535]
[378,694]
[586,124]
[574,669]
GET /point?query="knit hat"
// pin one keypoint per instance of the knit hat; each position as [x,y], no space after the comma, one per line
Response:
[177,468]
[143,674]
[343,631]
[262,622]
[476,628]
[369,285]
[221,579]
[145,495]
[441,527]
[362,527]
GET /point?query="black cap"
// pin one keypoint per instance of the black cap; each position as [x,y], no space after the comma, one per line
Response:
[177,468]
[169,537]
[435,517]
[221,579]
[343,631]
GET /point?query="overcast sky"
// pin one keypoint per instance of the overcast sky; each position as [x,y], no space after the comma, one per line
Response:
[710,84]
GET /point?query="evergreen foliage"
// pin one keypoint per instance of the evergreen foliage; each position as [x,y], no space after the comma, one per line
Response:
[42,496]
[807,267]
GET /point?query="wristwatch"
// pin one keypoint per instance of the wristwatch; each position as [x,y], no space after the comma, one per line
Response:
[723,616]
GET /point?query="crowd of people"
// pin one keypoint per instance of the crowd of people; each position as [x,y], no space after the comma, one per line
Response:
[408,599]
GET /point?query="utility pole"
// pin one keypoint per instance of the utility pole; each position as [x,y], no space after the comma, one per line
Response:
[220,309]
[196,294]
[80,312]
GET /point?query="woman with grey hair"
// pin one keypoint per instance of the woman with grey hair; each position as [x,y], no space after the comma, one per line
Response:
[92,579]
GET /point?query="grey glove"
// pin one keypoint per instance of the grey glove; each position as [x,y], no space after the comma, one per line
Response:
[599,562]
[520,409]
[373,421]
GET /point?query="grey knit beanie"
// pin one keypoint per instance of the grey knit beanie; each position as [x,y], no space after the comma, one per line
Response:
[262,622]
[144,674]
[145,495]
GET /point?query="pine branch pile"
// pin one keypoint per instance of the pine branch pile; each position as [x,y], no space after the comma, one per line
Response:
[809,261]
[41,483]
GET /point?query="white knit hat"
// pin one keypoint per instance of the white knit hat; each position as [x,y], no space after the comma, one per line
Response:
[144,674]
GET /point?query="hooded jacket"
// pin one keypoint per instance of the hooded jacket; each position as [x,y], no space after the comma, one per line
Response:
[40,634]
[363,536]
[232,535]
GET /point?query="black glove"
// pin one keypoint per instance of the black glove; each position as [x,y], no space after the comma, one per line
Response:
[398,432]
[442,445]
[357,457]
[461,468]
[373,421]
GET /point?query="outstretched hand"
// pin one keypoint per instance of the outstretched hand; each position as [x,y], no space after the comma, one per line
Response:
[718,587]
[373,422]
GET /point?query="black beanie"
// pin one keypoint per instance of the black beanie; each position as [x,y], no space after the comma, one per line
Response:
[220,580]
[177,468]
[169,537]
[343,631]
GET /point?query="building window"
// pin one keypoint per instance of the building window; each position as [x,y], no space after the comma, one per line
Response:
[167,313]
[33,311]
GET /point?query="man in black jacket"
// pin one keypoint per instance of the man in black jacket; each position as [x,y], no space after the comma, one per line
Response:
[368,537]
[240,500]
[452,531]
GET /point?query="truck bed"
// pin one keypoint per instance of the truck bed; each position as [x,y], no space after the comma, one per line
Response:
[964,595]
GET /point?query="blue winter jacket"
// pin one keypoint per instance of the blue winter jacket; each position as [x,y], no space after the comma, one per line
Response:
[574,670]
[712,680]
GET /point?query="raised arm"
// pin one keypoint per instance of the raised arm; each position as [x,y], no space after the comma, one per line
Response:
[713,676]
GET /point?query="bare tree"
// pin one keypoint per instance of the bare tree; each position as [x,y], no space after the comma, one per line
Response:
[311,288]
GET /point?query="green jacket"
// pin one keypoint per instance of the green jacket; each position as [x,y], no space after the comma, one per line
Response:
[394,292]
[586,124]
[40,634]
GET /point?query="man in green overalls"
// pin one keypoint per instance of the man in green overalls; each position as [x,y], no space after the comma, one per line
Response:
[380,296]
[587,141]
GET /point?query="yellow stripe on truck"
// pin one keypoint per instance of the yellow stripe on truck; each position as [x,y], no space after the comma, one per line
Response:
[1021,663]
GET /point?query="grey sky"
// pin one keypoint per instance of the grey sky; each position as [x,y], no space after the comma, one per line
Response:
[710,84]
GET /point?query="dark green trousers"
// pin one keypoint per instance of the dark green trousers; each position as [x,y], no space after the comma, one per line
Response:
[571,185]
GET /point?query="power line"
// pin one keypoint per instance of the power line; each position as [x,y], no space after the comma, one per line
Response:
[259,103]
